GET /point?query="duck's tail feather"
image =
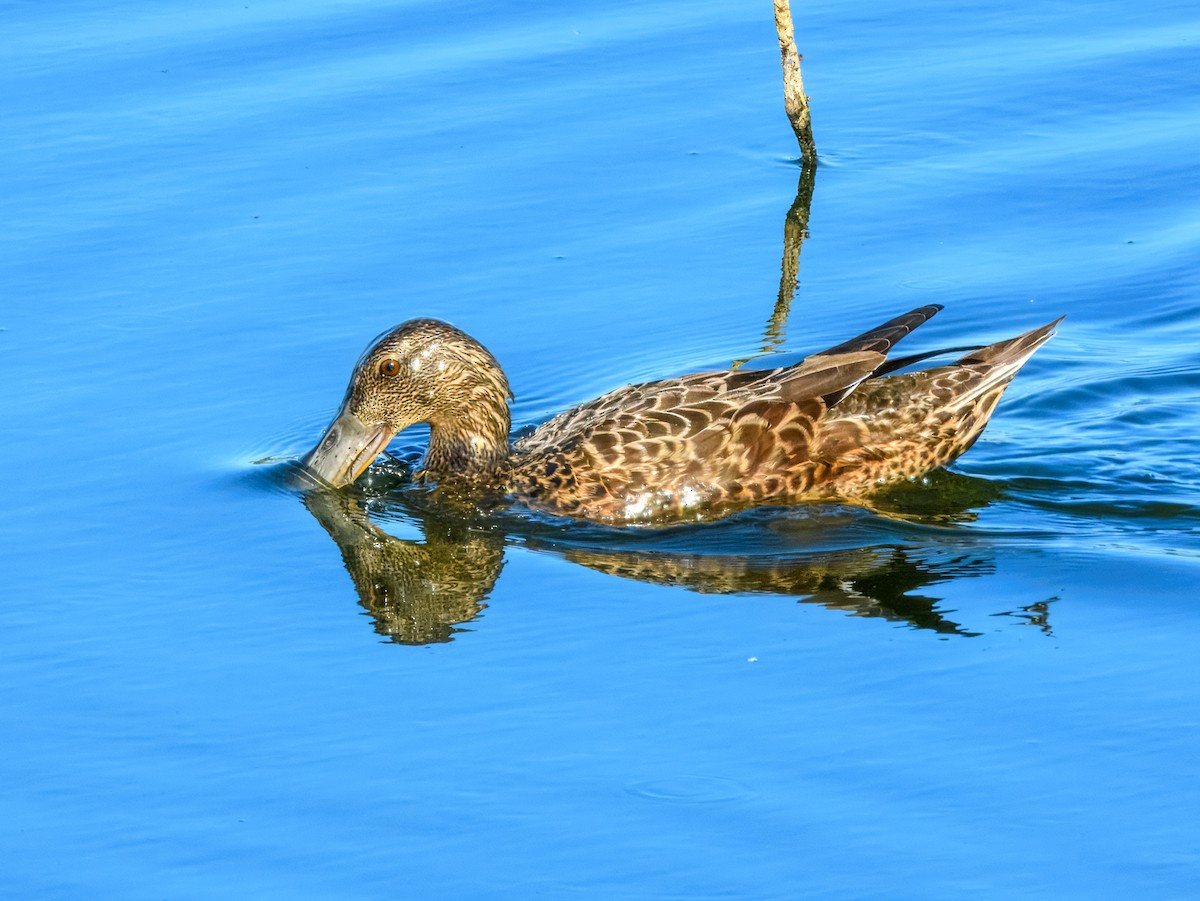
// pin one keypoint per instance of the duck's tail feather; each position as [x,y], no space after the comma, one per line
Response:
[1018,349]
[997,364]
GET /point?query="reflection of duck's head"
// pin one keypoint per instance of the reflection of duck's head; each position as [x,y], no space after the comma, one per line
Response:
[841,423]
[417,592]
[422,371]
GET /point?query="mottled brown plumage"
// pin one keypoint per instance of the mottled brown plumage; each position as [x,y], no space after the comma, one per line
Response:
[838,424]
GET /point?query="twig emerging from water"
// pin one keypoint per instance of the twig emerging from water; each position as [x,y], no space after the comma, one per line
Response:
[795,101]
[795,225]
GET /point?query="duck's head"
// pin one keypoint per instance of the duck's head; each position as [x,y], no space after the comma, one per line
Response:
[421,371]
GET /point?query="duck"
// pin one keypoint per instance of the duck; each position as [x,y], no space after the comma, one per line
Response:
[839,425]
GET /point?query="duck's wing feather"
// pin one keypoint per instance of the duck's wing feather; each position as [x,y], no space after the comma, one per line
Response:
[883,338]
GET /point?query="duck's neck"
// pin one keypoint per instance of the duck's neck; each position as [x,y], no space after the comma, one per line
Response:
[473,446]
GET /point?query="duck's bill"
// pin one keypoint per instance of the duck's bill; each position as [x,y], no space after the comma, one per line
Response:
[347,448]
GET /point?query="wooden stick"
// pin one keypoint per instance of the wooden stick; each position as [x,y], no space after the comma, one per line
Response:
[795,224]
[795,101]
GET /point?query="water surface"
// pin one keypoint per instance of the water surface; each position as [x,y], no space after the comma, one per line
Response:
[214,683]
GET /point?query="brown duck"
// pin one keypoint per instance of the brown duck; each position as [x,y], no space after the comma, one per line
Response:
[840,424]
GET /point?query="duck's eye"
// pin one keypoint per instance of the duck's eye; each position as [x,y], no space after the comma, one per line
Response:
[389,367]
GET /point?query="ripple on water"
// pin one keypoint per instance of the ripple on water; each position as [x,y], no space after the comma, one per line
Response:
[691,789]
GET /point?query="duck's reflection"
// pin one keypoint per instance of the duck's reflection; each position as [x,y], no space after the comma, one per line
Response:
[415,591]
[423,590]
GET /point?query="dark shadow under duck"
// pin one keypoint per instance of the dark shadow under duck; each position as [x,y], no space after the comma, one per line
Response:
[840,424]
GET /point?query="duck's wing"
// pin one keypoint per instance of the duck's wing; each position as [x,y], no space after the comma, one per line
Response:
[740,386]
[664,450]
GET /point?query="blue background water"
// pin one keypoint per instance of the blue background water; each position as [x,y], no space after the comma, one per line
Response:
[212,208]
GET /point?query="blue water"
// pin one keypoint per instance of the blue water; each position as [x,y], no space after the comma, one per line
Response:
[212,685]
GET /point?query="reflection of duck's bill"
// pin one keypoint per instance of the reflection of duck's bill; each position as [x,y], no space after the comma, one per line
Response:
[348,447]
